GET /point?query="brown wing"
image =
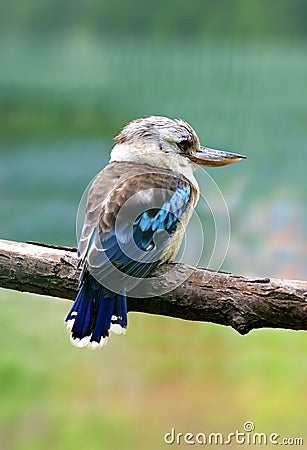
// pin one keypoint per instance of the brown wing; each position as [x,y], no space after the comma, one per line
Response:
[118,183]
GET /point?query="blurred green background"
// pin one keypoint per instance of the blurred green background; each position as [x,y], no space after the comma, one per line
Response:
[72,74]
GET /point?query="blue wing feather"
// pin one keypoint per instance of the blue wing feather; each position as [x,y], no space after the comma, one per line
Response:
[144,228]
[96,308]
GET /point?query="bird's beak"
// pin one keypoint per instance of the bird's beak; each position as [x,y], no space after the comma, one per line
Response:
[214,158]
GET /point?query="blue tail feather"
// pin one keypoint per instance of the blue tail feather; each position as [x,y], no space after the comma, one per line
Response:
[103,319]
[94,313]
[120,310]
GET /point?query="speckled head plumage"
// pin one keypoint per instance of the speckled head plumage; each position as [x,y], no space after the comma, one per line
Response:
[171,137]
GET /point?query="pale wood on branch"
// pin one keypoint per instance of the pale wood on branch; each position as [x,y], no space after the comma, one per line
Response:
[240,302]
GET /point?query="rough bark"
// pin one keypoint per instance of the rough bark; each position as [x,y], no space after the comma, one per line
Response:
[240,302]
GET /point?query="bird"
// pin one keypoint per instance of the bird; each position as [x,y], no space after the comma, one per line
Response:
[137,210]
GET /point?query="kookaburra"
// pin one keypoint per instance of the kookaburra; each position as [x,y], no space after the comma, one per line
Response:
[137,209]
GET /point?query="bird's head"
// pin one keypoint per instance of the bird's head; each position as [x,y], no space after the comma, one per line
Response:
[161,141]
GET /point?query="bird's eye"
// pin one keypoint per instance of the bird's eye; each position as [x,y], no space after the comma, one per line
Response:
[184,145]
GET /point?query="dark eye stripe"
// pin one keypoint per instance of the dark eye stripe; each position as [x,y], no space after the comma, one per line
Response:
[184,145]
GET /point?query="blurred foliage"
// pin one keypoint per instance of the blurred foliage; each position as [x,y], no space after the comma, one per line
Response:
[72,74]
[193,19]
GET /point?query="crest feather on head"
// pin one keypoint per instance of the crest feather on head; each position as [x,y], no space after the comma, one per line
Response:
[153,127]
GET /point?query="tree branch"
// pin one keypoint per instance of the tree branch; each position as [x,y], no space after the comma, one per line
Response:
[240,302]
